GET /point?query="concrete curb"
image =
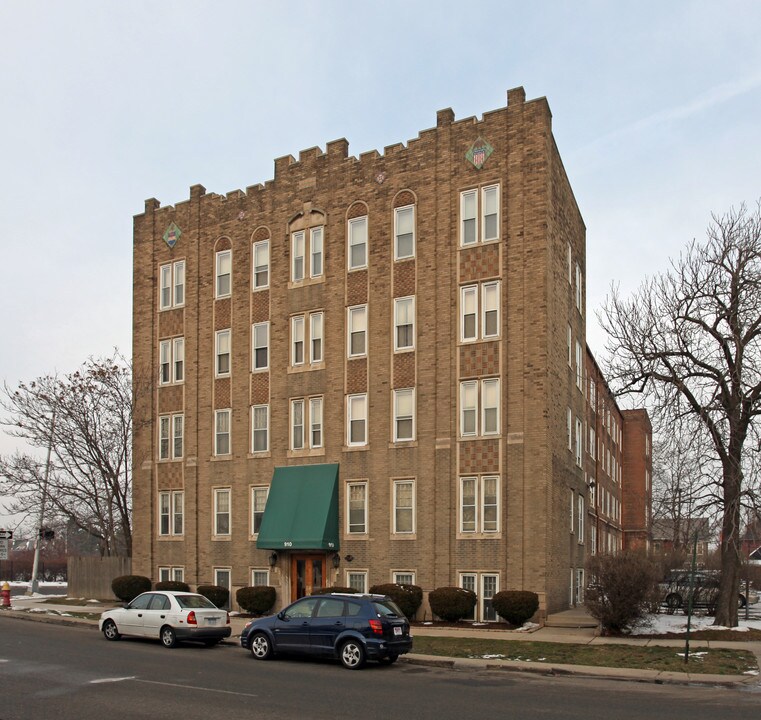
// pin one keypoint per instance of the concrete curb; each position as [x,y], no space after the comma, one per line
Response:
[546,669]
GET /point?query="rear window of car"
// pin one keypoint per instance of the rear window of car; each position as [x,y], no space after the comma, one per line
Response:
[387,608]
[194,601]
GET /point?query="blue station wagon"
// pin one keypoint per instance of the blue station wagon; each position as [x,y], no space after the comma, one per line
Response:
[352,628]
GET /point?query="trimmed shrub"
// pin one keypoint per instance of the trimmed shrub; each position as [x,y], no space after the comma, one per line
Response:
[128,587]
[177,585]
[516,606]
[452,603]
[407,597]
[257,600]
[622,590]
[335,588]
[215,593]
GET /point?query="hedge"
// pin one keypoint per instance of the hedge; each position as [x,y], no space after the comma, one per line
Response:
[409,598]
[128,587]
[176,585]
[516,606]
[452,603]
[215,593]
[257,600]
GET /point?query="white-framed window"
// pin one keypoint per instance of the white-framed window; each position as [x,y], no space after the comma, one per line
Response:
[260,577]
[297,424]
[171,512]
[469,313]
[469,408]
[579,287]
[222,579]
[569,428]
[222,432]
[258,503]
[579,367]
[592,440]
[479,504]
[358,243]
[171,437]
[260,337]
[468,217]
[490,309]
[489,588]
[570,523]
[316,323]
[488,423]
[404,415]
[298,250]
[581,513]
[172,285]
[260,428]
[579,441]
[222,353]
[357,580]
[486,586]
[172,361]
[315,422]
[224,273]
[404,232]
[315,252]
[178,356]
[403,577]
[580,586]
[297,340]
[357,331]
[490,406]
[570,264]
[221,511]
[593,539]
[356,508]
[570,346]
[404,323]
[404,506]
[356,407]
[176,574]
[261,255]
[490,213]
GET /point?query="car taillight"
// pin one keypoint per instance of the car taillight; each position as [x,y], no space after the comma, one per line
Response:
[192,618]
[228,618]
[376,626]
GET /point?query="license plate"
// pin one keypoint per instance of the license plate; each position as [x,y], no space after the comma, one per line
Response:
[397,630]
[211,621]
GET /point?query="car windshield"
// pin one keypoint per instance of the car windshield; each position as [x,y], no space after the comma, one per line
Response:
[387,608]
[194,601]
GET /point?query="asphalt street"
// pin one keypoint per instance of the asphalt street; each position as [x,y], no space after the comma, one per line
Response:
[73,672]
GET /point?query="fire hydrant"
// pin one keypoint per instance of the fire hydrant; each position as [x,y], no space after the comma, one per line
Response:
[5,594]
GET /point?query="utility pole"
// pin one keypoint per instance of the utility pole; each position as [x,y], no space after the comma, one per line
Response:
[34,586]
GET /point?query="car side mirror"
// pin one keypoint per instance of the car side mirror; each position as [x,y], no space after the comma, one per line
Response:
[281,615]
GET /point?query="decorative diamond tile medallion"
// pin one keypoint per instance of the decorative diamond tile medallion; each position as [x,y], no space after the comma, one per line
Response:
[172,235]
[479,153]
[380,178]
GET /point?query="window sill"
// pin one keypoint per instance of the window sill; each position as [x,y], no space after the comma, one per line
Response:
[261,454]
[221,538]
[401,444]
[404,536]
[355,448]
[171,538]
[309,452]
[221,458]
[479,536]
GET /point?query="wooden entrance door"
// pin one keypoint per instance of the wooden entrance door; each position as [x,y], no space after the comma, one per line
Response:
[307,573]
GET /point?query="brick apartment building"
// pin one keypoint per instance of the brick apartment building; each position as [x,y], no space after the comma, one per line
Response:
[374,369]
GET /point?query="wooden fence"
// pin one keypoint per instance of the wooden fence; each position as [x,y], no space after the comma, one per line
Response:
[90,577]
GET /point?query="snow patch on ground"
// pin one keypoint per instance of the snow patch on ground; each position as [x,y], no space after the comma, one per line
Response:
[662,623]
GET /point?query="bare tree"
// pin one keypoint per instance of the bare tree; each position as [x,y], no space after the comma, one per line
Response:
[690,338]
[90,483]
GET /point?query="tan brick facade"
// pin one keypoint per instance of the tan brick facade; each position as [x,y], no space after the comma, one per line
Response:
[521,538]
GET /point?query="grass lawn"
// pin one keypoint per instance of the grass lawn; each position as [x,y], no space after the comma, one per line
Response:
[713,661]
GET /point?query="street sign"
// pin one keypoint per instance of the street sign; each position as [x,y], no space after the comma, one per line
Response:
[4,543]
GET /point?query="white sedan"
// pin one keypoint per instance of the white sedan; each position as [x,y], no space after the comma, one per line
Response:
[169,616]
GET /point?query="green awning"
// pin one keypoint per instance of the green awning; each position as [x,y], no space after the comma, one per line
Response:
[302,509]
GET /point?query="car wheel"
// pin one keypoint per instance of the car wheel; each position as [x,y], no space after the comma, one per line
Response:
[741,601]
[168,637]
[388,660]
[261,647]
[110,631]
[673,602]
[352,654]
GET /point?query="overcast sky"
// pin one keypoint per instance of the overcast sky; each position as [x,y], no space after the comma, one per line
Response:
[656,112]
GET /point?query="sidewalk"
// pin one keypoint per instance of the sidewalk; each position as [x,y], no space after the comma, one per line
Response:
[572,626]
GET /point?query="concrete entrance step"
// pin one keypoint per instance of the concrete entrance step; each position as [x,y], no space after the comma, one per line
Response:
[577,617]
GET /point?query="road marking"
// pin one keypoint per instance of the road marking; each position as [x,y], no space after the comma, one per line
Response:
[196,687]
[1,660]
[110,680]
